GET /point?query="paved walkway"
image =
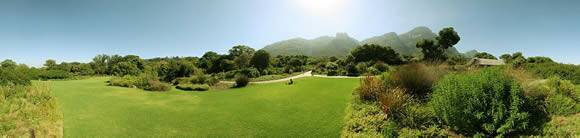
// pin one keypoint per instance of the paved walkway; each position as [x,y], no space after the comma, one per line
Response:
[305,74]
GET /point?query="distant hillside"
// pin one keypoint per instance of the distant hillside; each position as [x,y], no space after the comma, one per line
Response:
[339,45]
[342,44]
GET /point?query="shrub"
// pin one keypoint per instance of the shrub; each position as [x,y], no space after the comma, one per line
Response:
[193,87]
[249,72]
[213,80]
[559,104]
[393,102]
[417,79]
[11,76]
[156,85]
[559,95]
[366,120]
[29,109]
[486,102]
[546,70]
[242,81]
[370,88]
[381,66]
[54,74]
[373,71]
[143,81]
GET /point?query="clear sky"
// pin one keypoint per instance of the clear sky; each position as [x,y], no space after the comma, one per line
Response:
[32,31]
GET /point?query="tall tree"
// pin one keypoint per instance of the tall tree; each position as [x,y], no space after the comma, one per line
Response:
[99,64]
[436,51]
[241,49]
[261,59]
[50,64]
[375,53]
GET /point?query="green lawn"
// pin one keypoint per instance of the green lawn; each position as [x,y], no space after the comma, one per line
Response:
[313,107]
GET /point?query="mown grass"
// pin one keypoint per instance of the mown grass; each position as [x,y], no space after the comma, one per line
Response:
[312,107]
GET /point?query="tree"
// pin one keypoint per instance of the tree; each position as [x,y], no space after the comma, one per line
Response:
[50,64]
[99,64]
[243,60]
[484,55]
[447,38]
[372,52]
[431,51]
[8,64]
[261,60]
[539,60]
[436,51]
[208,61]
[241,49]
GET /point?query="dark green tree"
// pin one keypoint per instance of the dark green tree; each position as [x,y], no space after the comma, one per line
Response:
[375,53]
[484,55]
[261,60]
[50,64]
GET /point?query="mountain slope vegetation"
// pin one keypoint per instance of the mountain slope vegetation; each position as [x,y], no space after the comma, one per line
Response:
[341,44]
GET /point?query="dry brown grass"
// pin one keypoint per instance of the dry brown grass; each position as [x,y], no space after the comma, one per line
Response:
[393,101]
[370,88]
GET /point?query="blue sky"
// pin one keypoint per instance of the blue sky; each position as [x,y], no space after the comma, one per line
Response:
[32,31]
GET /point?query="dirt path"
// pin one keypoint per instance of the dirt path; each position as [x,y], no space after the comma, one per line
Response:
[305,74]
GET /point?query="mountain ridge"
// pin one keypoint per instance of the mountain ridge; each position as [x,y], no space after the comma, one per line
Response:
[341,44]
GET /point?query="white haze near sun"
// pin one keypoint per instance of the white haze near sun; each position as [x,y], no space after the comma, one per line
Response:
[322,8]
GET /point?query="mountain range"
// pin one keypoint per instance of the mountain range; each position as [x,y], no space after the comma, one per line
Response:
[341,44]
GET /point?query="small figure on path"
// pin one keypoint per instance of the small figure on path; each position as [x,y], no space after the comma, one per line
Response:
[291,82]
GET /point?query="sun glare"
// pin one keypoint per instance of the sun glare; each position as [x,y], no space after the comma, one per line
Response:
[322,7]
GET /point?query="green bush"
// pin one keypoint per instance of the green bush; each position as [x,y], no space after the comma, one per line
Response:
[486,102]
[546,70]
[12,76]
[242,81]
[559,104]
[156,85]
[249,72]
[143,81]
[365,119]
[193,87]
[54,75]
[559,96]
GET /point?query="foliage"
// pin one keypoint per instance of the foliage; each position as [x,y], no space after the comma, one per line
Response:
[393,102]
[559,95]
[435,51]
[370,88]
[486,102]
[331,69]
[366,120]
[242,80]
[249,72]
[484,55]
[260,60]
[143,81]
[14,75]
[54,75]
[564,71]
[540,59]
[375,53]
[193,87]
[563,126]
[29,111]
[416,78]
